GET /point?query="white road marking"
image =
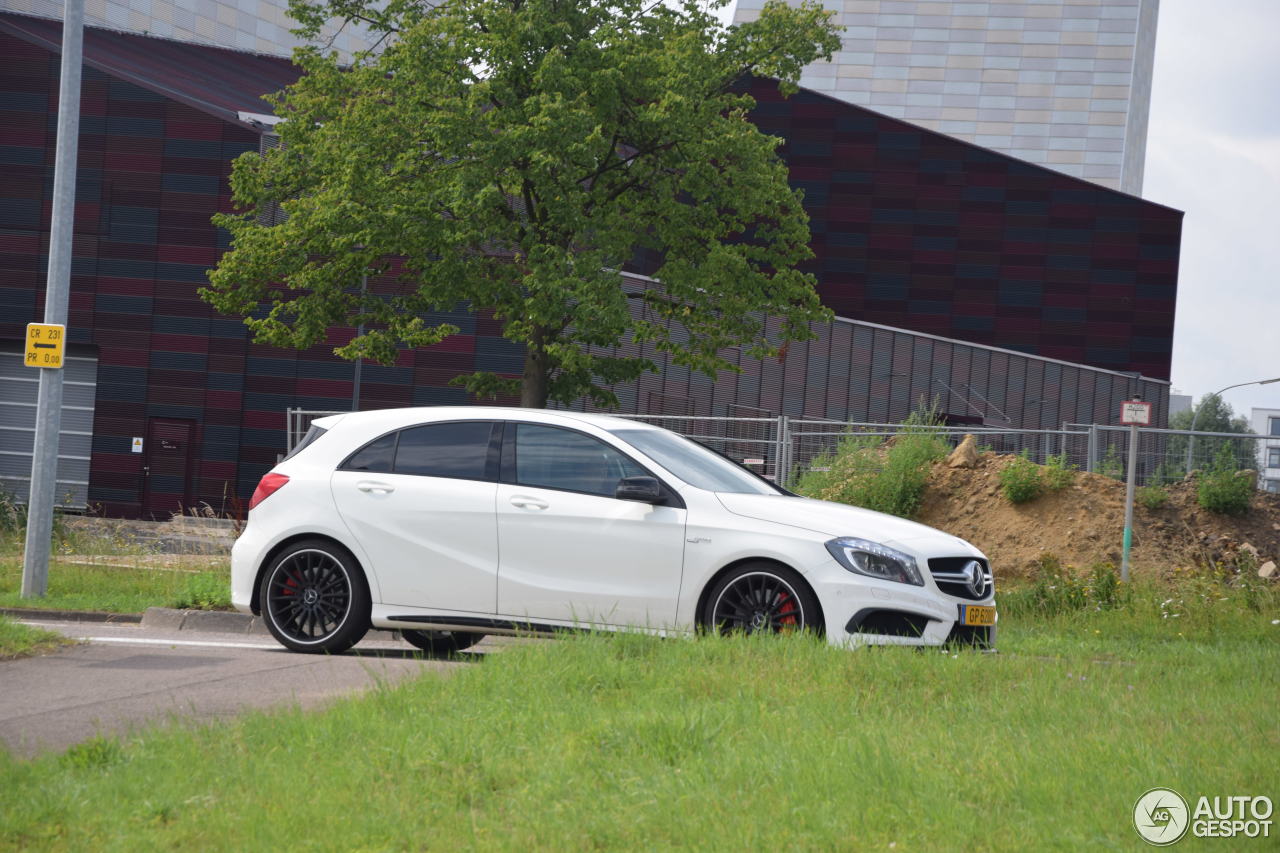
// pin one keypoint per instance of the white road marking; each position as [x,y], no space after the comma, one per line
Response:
[143,641]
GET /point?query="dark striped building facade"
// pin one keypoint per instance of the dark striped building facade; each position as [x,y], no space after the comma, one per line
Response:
[1009,293]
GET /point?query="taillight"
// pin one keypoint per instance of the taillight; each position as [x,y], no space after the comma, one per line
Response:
[267,486]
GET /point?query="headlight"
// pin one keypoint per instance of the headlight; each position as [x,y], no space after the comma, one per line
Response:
[875,560]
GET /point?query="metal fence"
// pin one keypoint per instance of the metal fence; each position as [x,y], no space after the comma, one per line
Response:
[810,440]
[758,443]
[783,448]
[1167,455]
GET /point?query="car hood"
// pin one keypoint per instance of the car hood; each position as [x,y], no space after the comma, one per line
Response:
[832,519]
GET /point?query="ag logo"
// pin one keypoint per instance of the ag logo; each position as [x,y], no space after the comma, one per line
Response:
[1161,816]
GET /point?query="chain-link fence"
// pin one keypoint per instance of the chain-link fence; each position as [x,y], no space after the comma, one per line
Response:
[782,448]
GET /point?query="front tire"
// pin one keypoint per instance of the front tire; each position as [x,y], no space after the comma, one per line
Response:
[314,599]
[761,597]
[441,643]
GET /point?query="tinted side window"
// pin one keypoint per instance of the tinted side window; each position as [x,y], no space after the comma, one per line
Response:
[559,459]
[375,457]
[459,450]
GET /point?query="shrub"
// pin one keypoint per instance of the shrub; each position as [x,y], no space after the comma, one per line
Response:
[864,471]
[1057,473]
[1056,589]
[1020,479]
[1152,497]
[1111,465]
[1104,587]
[1222,489]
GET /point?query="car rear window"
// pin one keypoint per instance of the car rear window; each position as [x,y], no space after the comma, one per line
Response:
[458,450]
[375,457]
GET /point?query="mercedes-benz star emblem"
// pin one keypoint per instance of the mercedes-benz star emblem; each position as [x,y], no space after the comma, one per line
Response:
[976,578]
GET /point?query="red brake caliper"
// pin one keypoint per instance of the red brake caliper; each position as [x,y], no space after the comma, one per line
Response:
[290,586]
[788,612]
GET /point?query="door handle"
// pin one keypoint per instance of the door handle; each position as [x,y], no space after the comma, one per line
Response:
[374,486]
[526,502]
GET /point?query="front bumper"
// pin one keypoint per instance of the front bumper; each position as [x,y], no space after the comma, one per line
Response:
[865,611]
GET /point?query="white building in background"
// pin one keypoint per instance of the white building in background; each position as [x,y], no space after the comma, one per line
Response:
[1065,84]
[1267,422]
[257,26]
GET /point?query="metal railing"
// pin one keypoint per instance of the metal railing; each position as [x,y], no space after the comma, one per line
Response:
[783,448]
[1163,453]
[809,440]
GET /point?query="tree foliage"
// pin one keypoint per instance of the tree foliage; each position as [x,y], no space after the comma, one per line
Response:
[1210,414]
[511,156]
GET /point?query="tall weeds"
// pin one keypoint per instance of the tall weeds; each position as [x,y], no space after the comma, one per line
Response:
[886,476]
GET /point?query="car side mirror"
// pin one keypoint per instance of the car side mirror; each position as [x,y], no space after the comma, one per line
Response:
[644,489]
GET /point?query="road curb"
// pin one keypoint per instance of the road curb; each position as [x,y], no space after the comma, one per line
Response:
[211,621]
[39,614]
[156,618]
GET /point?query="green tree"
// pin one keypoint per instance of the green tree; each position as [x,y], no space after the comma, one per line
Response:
[510,156]
[1210,414]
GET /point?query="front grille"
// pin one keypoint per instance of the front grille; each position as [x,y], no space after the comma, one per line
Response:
[946,571]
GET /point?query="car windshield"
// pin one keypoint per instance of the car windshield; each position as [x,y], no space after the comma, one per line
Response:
[695,464]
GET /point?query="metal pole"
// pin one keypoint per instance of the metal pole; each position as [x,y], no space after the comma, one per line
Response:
[784,451]
[1091,452]
[44,456]
[1128,502]
[355,382]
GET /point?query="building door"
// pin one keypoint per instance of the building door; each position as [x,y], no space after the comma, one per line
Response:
[167,467]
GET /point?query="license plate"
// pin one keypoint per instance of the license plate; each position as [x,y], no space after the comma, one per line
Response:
[977,614]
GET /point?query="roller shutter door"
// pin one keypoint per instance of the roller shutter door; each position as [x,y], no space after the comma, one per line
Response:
[19,385]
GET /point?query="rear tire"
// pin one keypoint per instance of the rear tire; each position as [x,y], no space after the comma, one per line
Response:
[314,598]
[441,643]
[761,597]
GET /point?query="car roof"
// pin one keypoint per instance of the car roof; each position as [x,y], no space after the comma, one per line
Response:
[392,418]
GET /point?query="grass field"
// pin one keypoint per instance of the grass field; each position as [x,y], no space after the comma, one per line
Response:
[622,742]
[21,640]
[123,584]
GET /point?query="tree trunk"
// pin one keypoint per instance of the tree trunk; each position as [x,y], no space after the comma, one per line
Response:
[534,384]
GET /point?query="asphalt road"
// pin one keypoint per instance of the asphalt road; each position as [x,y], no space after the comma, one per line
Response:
[124,677]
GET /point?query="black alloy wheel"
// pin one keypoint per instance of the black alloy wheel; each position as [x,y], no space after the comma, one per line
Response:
[761,598]
[314,598]
[441,642]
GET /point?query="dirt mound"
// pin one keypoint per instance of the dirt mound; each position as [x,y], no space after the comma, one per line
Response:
[1083,524]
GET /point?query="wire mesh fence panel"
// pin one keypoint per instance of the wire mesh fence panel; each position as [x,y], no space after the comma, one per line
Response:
[754,442]
[782,448]
[1166,456]
[813,443]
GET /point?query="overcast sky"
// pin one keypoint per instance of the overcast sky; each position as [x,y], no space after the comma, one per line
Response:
[1213,151]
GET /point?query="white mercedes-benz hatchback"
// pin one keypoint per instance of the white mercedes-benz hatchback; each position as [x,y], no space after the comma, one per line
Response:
[450,523]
